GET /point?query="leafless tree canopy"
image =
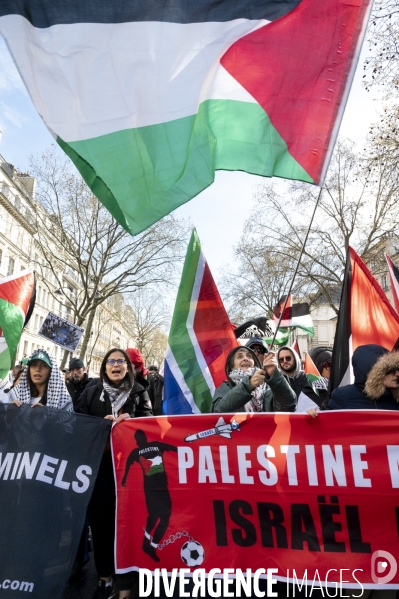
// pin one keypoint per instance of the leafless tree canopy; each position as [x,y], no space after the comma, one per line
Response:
[79,236]
[382,63]
[358,207]
[148,317]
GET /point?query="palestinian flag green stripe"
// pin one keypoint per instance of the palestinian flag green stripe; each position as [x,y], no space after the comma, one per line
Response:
[223,135]
[12,322]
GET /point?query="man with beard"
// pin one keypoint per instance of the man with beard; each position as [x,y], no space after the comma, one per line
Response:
[78,381]
[289,365]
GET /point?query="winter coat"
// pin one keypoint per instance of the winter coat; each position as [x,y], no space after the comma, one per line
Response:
[155,391]
[138,403]
[76,388]
[353,397]
[298,379]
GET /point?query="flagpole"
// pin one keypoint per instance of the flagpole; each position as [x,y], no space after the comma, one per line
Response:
[297,267]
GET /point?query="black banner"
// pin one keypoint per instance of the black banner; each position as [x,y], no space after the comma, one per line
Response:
[48,464]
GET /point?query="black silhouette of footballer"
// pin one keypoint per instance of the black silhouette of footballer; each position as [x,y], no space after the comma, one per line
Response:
[149,454]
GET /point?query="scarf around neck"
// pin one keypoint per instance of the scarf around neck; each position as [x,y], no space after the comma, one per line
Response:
[256,403]
[117,396]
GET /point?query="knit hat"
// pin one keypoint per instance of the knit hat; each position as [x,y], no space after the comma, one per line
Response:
[76,363]
[137,360]
[320,355]
[257,341]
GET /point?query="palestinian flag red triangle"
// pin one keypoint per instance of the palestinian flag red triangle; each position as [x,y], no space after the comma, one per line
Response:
[365,316]
[17,300]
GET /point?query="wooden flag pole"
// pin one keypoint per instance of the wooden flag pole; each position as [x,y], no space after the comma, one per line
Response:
[297,267]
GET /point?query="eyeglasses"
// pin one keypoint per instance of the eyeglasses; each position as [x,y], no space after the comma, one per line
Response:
[258,350]
[118,362]
[327,364]
[285,359]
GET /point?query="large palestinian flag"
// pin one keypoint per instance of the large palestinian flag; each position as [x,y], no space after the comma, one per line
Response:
[17,300]
[149,99]
[200,338]
[365,316]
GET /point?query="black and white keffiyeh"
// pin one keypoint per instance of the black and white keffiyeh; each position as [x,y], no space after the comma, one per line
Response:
[256,403]
[117,396]
[57,393]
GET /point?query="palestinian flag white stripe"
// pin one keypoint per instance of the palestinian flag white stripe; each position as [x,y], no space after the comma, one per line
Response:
[126,75]
[304,322]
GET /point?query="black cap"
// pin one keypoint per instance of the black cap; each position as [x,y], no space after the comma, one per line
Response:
[75,363]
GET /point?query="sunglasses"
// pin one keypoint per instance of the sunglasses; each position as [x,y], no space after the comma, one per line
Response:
[285,359]
[258,350]
[392,370]
[118,362]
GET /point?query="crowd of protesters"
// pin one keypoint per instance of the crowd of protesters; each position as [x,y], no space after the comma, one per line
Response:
[257,380]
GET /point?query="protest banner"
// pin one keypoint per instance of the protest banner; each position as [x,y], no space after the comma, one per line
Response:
[61,332]
[48,465]
[314,498]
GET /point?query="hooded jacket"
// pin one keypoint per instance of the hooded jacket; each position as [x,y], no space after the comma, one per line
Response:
[229,397]
[384,399]
[353,397]
[298,379]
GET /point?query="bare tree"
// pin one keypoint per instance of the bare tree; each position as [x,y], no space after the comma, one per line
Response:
[148,317]
[358,207]
[81,242]
[382,65]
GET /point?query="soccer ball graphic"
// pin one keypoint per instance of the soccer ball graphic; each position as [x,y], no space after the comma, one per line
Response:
[192,553]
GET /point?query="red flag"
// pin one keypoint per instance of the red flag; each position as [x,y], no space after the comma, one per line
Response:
[394,277]
[365,316]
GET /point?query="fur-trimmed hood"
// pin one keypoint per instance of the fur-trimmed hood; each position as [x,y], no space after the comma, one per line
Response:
[374,387]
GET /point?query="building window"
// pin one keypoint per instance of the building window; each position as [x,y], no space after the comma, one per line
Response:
[385,285]
[11,264]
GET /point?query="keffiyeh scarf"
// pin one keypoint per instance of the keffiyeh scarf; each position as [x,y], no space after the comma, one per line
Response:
[57,393]
[256,403]
[117,396]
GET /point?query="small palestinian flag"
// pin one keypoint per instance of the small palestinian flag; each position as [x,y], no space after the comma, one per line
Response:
[394,278]
[296,348]
[282,337]
[150,98]
[314,377]
[365,316]
[17,300]
[295,315]
[200,338]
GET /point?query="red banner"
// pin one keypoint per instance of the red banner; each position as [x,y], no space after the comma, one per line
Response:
[261,491]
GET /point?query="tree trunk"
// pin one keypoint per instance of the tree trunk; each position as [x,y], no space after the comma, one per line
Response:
[87,333]
[65,357]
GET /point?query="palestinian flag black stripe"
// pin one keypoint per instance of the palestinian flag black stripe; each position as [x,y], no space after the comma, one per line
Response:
[149,99]
[46,13]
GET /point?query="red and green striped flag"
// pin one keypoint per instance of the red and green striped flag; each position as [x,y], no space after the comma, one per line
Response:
[149,99]
[17,300]
[314,377]
[200,338]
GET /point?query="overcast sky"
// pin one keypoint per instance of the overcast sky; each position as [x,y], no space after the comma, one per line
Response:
[218,212]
